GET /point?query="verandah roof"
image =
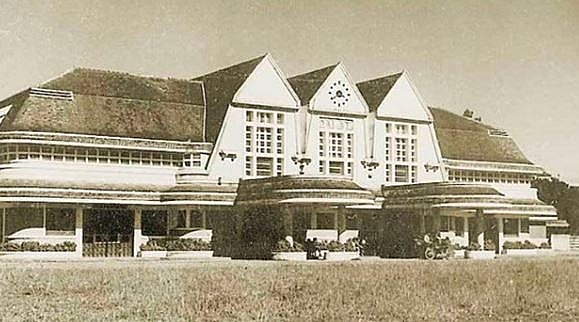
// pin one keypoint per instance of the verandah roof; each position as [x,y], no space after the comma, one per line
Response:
[94,193]
[463,197]
[302,190]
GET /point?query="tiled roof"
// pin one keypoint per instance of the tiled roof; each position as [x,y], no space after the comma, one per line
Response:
[112,104]
[375,90]
[220,87]
[306,85]
[115,84]
[275,189]
[461,138]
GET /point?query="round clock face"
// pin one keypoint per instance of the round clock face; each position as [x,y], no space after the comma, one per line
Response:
[339,93]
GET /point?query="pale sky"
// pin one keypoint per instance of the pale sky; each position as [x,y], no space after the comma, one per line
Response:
[516,63]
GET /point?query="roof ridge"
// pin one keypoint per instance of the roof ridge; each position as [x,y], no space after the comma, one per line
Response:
[220,72]
[480,123]
[380,78]
[301,76]
[116,72]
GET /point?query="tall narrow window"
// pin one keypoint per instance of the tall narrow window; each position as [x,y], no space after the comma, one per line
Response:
[336,147]
[401,173]
[401,153]
[264,143]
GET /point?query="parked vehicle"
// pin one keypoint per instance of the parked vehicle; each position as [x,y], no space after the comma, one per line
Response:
[433,248]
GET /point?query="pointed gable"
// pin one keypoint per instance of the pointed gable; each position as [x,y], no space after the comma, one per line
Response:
[306,85]
[395,96]
[220,88]
[267,85]
[329,89]
[375,90]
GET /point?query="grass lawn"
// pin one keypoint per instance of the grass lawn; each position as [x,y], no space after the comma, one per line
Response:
[461,290]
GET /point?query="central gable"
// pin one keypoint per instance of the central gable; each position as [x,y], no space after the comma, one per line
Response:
[403,101]
[267,85]
[338,94]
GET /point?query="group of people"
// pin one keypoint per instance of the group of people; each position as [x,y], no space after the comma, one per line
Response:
[313,249]
[317,250]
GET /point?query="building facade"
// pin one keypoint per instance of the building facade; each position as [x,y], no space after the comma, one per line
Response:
[245,156]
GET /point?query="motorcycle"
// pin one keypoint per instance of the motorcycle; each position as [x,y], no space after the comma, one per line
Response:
[433,249]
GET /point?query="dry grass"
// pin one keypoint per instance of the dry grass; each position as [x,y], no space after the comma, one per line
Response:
[502,290]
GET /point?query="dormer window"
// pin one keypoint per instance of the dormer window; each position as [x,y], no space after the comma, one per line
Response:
[498,132]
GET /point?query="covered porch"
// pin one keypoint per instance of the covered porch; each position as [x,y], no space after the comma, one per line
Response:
[474,216]
[104,221]
[299,209]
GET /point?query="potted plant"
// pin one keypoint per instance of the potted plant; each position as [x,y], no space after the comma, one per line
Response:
[285,251]
[476,251]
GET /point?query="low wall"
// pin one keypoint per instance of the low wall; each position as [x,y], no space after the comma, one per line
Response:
[560,242]
[40,255]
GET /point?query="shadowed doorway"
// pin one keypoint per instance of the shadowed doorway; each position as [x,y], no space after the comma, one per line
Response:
[108,233]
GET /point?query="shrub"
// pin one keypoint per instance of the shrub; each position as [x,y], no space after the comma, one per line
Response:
[284,246]
[350,245]
[545,245]
[489,245]
[474,246]
[34,246]
[521,245]
[152,245]
[335,246]
[9,247]
[188,244]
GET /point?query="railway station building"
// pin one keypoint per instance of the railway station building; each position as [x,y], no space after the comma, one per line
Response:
[246,156]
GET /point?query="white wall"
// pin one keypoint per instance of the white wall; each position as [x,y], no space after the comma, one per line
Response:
[403,102]
[266,85]
[94,173]
[230,140]
[322,102]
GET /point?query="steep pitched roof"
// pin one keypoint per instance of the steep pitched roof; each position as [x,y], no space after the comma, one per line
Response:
[306,85]
[375,90]
[112,104]
[461,138]
[220,87]
[115,84]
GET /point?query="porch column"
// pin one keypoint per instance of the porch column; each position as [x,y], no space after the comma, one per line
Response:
[501,230]
[287,221]
[480,228]
[78,231]
[422,224]
[465,231]
[187,217]
[435,221]
[313,220]
[203,219]
[341,220]
[3,224]
[137,232]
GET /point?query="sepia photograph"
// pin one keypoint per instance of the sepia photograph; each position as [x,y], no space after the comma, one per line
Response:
[261,160]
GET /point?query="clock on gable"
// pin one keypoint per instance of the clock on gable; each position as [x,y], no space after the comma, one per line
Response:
[339,93]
